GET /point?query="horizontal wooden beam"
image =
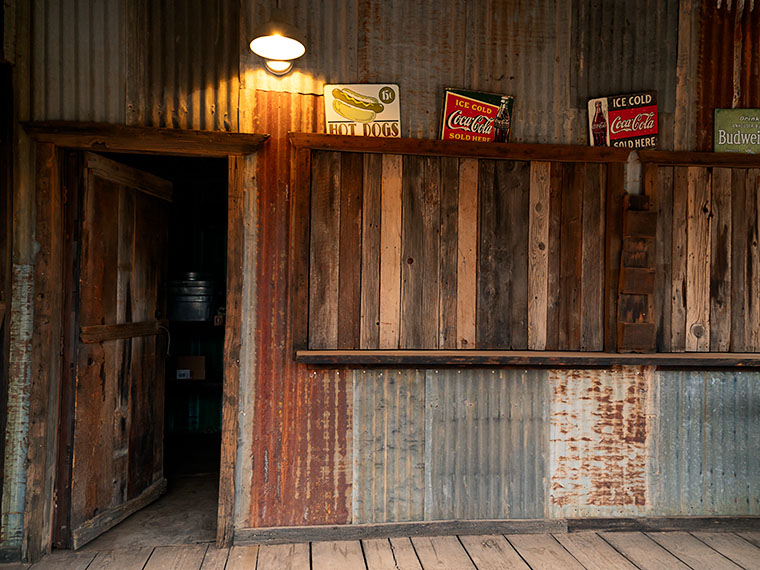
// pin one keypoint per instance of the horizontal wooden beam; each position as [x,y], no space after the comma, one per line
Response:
[287,535]
[682,158]
[144,140]
[101,333]
[431,147]
[524,358]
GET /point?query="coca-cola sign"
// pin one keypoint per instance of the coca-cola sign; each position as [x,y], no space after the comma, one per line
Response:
[476,117]
[627,121]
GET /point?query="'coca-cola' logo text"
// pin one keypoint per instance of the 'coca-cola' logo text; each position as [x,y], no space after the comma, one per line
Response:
[641,122]
[480,124]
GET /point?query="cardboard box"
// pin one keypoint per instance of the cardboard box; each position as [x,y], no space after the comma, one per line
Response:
[191,368]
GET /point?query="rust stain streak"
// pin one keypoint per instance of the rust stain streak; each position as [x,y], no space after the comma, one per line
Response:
[599,437]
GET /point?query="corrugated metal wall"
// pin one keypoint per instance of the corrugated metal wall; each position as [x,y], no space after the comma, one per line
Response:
[705,442]
[491,444]
[333,447]
[550,54]
[78,60]
[182,64]
[729,62]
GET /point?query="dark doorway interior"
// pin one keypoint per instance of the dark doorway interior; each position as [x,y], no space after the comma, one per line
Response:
[197,274]
[197,254]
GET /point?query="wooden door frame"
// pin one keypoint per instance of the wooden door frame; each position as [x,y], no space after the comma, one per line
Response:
[50,139]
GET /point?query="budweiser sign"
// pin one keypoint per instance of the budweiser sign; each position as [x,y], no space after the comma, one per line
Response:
[476,117]
[627,121]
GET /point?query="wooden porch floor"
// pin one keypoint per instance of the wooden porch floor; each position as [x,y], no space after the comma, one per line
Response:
[589,550]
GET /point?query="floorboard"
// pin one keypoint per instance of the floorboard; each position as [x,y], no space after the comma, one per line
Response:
[593,552]
[378,554]
[337,555]
[692,551]
[405,555]
[65,560]
[441,553]
[752,536]
[242,558]
[185,557]
[542,552]
[121,559]
[643,551]
[215,558]
[734,547]
[493,552]
[283,557]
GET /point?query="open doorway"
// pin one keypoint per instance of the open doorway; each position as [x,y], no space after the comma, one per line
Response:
[184,283]
[54,319]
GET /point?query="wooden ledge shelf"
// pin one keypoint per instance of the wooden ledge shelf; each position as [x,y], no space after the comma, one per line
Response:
[106,137]
[706,159]
[438,148]
[524,358]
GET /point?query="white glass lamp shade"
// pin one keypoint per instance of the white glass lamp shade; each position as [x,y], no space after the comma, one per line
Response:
[278,47]
[279,44]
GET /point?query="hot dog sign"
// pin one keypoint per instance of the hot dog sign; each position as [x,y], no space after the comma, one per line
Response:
[370,110]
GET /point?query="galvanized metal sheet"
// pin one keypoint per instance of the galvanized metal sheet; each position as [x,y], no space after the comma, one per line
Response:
[388,445]
[705,442]
[78,60]
[449,444]
[486,436]
[600,429]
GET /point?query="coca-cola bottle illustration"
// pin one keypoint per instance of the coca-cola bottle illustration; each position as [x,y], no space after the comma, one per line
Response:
[502,123]
[599,126]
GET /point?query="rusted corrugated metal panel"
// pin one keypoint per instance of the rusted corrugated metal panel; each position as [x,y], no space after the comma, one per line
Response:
[486,436]
[300,450]
[600,430]
[183,64]
[16,437]
[704,443]
[729,62]
[78,60]
[389,445]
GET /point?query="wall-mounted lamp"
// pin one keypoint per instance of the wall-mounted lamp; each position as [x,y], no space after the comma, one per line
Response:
[278,43]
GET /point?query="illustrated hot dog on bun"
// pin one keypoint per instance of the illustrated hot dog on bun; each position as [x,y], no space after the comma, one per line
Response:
[354,106]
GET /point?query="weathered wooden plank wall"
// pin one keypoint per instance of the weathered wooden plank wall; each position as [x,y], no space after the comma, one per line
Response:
[404,289]
[707,258]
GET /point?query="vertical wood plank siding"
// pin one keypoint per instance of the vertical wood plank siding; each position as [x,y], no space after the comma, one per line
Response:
[461,253]
[707,278]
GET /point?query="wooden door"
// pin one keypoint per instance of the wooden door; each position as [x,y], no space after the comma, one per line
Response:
[113,392]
